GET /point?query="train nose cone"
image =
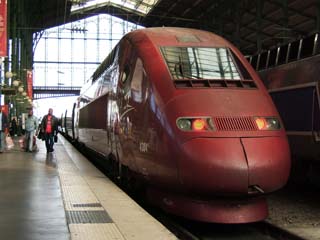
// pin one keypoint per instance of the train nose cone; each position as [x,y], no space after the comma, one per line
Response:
[268,162]
[213,165]
[234,165]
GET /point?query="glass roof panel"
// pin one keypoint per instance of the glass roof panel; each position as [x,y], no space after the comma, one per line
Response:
[138,6]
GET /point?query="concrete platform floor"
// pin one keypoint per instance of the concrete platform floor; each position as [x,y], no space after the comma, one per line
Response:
[61,195]
[31,205]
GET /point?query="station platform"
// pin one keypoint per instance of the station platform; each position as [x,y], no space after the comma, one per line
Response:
[61,195]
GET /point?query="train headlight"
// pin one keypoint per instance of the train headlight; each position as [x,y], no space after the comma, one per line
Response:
[199,124]
[261,123]
[184,124]
[195,124]
[267,123]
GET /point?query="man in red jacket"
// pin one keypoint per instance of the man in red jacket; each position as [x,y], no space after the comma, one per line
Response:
[49,126]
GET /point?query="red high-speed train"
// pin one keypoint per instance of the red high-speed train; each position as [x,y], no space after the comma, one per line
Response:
[182,111]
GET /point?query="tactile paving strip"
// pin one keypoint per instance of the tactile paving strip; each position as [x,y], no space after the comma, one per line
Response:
[78,194]
[104,231]
[87,205]
[67,179]
[88,217]
[83,207]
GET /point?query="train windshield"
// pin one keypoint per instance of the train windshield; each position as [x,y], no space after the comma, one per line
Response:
[201,63]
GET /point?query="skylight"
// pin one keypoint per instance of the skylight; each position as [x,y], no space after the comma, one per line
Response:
[138,6]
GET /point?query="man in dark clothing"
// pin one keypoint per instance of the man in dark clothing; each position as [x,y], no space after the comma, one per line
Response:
[49,127]
[14,127]
[3,129]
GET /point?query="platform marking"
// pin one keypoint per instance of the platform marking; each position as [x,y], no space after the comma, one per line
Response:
[67,179]
[88,217]
[82,206]
[105,231]
[78,194]
[87,205]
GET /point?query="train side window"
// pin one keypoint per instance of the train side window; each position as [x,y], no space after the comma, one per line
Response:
[136,83]
[125,82]
[124,77]
[293,51]
[307,47]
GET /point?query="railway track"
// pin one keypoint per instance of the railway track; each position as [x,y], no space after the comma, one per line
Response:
[190,230]
[276,232]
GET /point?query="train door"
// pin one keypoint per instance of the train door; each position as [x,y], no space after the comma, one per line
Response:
[64,123]
[73,120]
[134,113]
[121,119]
[79,104]
[138,121]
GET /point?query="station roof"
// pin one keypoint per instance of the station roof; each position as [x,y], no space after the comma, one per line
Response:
[250,25]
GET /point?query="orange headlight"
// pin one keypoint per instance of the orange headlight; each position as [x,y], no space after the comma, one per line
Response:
[198,124]
[267,123]
[261,123]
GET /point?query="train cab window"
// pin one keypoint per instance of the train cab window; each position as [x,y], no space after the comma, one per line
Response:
[206,67]
[200,63]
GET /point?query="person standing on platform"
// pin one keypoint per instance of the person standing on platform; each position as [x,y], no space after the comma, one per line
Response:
[14,127]
[31,127]
[49,126]
[3,129]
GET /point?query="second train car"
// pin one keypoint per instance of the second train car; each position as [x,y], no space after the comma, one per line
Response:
[183,112]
